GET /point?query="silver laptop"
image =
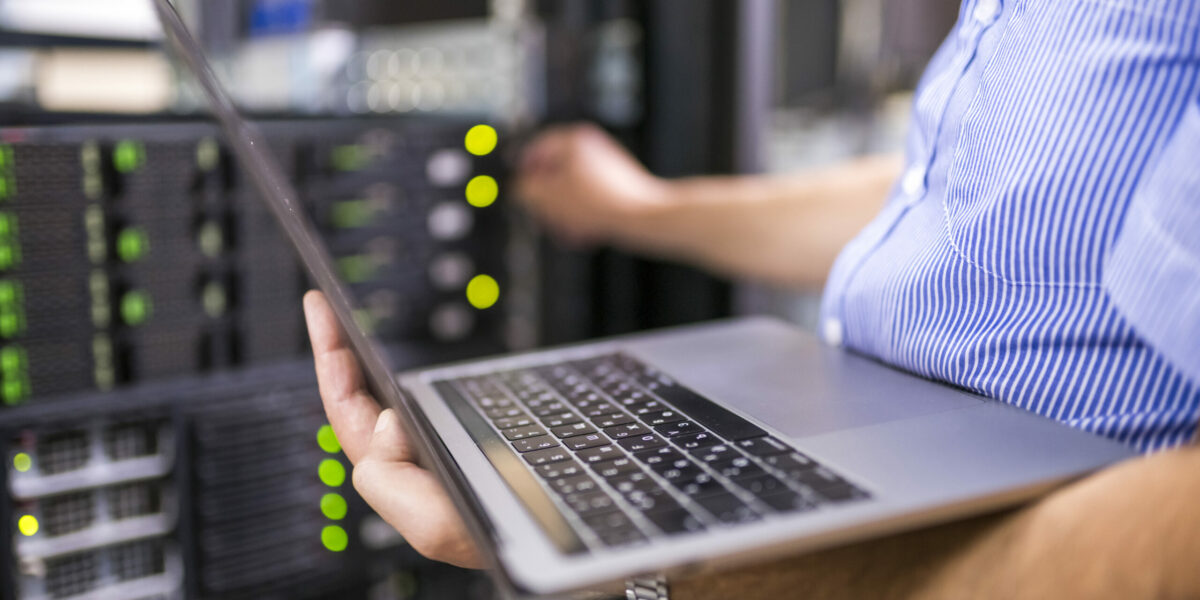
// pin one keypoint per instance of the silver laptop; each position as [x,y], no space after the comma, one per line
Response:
[679,451]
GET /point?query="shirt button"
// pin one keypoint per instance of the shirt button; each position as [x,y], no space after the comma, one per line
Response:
[986,11]
[913,182]
[831,330]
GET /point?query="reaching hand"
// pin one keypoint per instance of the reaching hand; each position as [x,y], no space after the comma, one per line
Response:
[584,185]
[405,495]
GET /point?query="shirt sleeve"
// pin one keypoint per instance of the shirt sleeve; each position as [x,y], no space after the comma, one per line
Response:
[1152,274]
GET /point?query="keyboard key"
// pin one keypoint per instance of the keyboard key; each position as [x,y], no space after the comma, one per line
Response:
[503,413]
[711,454]
[582,442]
[566,431]
[659,456]
[680,428]
[495,402]
[510,422]
[611,420]
[727,508]
[590,503]
[598,454]
[547,456]
[737,468]
[548,409]
[636,481]
[575,484]
[647,407]
[651,500]
[536,443]
[681,475]
[789,501]
[763,485]
[792,465]
[624,431]
[557,470]
[642,442]
[702,485]
[696,440]
[817,478]
[841,493]
[660,417]
[560,419]
[602,408]
[675,520]
[618,466]
[763,446]
[520,433]
[614,529]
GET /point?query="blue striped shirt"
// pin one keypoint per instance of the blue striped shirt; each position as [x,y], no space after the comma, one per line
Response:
[1043,245]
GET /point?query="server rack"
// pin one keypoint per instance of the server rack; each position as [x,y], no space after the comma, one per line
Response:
[162,436]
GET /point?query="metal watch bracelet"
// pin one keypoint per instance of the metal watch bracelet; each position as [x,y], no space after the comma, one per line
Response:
[647,588]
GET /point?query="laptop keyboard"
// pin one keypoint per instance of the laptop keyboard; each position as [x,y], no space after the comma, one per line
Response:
[630,454]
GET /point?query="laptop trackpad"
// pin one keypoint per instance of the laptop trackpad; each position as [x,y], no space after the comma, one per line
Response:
[790,381]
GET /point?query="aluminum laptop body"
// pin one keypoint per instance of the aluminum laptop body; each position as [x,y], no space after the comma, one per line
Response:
[920,452]
[677,451]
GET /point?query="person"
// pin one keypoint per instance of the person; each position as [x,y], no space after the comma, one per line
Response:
[1038,243]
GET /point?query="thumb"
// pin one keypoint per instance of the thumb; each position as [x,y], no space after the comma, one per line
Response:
[410,498]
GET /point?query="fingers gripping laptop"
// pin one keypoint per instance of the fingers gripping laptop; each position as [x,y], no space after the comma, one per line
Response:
[671,452]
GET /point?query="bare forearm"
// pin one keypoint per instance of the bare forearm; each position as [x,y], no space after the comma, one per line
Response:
[1132,531]
[785,230]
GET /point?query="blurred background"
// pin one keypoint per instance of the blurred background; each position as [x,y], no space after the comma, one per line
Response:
[160,431]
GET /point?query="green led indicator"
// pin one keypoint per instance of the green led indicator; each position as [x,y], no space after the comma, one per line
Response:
[14,391]
[128,156]
[9,255]
[8,225]
[357,268]
[334,538]
[12,358]
[10,293]
[327,440]
[6,156]
[135,307]
[5,187]
[331,472]
[132,244]
[350,158]
[10,324]
[333,506]
[350,214]
[22,462]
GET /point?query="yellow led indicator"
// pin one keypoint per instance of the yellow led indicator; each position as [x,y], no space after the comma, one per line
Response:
[331,472]
[482,191]
[483,291]
[135,307]
[22,462]
[327,440]
[481,140]
[28,525]
[334,538]
[333,506]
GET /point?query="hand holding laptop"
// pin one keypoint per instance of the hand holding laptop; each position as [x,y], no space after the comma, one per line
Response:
[407,496]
